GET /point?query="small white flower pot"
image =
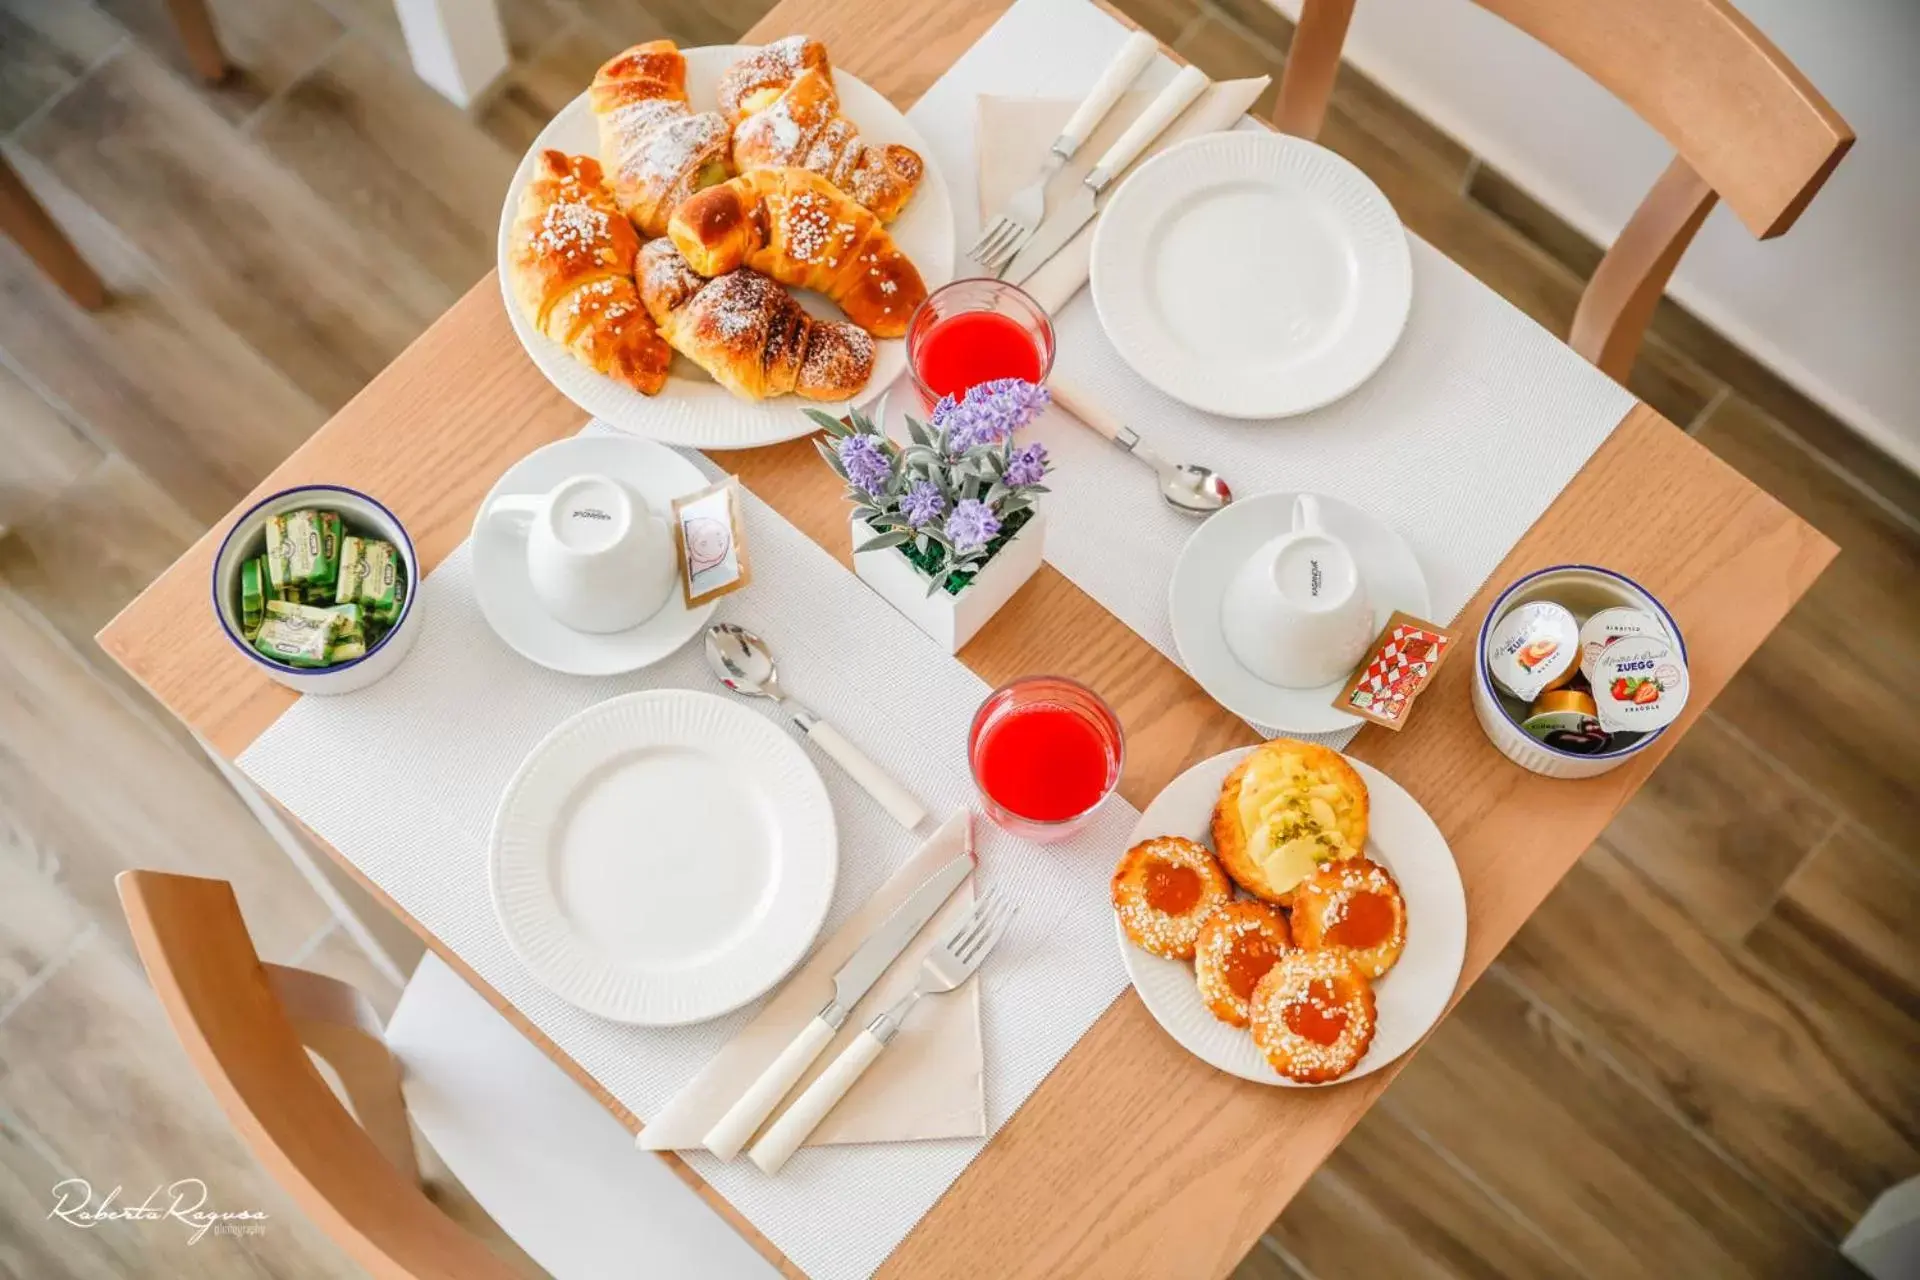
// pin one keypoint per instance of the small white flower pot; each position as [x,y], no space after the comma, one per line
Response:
[951,620]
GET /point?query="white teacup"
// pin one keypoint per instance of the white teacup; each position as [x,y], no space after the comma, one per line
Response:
[598,558]
[1297,613]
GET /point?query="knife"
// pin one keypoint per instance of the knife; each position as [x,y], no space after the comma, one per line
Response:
[1077,210]
[854,979]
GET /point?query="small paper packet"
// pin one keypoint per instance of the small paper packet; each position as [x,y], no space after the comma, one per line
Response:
[710,543]
[1399,663]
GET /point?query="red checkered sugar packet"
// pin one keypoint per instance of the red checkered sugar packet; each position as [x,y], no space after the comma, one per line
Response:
[1400,662]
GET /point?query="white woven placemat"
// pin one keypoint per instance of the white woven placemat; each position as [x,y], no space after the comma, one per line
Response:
[1462,439]
[432,746]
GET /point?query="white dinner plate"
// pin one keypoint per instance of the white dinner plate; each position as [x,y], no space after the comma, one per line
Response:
[693,409]
[505,594]
[1412,995]
[1205,570]
[1251,274]
[663,857]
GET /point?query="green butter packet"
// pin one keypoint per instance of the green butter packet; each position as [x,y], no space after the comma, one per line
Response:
[370,577]
[326,569]
[297,635]
[351,627]
[278,555]
[305,547]
[253,587]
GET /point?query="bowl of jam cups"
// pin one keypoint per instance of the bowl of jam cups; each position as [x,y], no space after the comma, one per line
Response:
[1577,670]
[343,534]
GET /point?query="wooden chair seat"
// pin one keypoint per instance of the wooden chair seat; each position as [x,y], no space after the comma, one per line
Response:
[552,1166]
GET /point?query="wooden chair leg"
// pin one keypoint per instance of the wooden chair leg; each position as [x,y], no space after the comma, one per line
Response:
[336,1023]
[24,222]
[202,41]
[1313,64]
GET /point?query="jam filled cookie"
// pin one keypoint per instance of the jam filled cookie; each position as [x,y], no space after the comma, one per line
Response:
[1356,905]
[1313,1015]
[1237,945]
[1285,809]
[1163,890]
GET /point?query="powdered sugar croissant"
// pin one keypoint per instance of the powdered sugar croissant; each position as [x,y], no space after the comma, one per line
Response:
[803,127]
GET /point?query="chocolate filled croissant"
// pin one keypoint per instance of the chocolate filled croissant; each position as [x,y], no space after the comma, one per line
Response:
[657,149]
[749,333]
[803,127]
[800,229]
[570,261]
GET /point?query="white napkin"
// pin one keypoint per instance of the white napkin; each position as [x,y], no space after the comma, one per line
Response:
[928,1084]
[1015,133]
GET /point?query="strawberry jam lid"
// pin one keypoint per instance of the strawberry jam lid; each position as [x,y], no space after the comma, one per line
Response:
[1534,649]
[1639,684]
[1608,625]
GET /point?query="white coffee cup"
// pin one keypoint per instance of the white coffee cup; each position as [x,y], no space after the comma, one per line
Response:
[1297,614]
[597,557]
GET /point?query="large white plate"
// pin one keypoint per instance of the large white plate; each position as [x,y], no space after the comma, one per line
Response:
[1253,274]
[1414,993]
[505,592]
[1206,568]
[663,857]
[693,409]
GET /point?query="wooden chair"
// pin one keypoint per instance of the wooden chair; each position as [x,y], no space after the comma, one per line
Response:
[549,1163]
[25,222]
[1745,125]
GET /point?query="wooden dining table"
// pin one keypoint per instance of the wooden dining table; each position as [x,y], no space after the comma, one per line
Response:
[1133,1158]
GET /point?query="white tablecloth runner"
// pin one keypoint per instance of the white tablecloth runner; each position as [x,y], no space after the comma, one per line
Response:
[1462,439]
[436,742]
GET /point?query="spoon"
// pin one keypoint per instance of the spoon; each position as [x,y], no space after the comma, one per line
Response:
[1188,488]
[741,661]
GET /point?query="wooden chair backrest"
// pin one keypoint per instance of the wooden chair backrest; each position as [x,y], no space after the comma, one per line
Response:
[1745,125]
[224,1008]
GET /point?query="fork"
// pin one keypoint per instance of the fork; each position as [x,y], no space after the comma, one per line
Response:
[1021,215]
[946,966]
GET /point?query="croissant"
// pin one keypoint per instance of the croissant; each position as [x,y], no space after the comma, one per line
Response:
[749,333]
[800,229]
[804,127]
[657,149]
[570,260]
[757,79]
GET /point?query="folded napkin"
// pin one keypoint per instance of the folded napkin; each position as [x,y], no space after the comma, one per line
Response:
[1014,136]
[930,1081]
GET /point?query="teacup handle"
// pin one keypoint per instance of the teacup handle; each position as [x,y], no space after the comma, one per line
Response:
[523,507]
[1306,514]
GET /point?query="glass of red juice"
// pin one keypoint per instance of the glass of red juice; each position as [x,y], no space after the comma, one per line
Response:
[974,331]
[1046,752]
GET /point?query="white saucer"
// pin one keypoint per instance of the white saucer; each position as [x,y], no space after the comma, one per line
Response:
[1217,550]
[1410,998]
[506,597]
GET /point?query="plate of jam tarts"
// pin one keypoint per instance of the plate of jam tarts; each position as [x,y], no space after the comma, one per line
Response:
[1290,915]
[707,239]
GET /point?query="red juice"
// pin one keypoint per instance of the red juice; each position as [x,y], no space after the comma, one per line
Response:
[1045,763]
[972,347]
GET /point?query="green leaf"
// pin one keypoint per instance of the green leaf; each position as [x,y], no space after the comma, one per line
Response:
[828,423]
[995,492]
[832,458]
[918,433]
[883,541]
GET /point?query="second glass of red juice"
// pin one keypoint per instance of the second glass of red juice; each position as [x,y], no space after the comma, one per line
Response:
[1046,752]
[973,331]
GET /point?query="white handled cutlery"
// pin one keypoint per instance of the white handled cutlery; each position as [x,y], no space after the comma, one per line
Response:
[741,661]
[1025,208]
[1188,488]
[945,967]
[853,980]
[1078,209]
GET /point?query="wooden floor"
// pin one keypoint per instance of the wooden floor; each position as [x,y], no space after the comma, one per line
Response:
[1698,1060]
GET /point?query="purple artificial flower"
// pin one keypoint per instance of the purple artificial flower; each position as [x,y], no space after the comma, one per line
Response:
[1027,466]
[923,503]
[991,412]
[868,467]
[972,525]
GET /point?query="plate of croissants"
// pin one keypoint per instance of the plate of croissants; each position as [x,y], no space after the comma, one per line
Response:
[1290,915]
[706,232]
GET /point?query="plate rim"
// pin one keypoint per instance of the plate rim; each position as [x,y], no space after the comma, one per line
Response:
[1376,780]
[784,410]
[1193,388]
[1318,700]
[829,841]
[696,617]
